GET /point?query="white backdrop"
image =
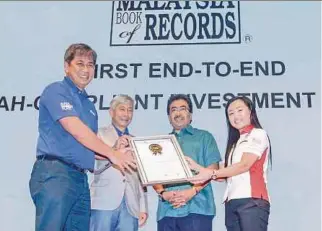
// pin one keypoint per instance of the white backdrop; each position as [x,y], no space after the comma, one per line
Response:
[283,35]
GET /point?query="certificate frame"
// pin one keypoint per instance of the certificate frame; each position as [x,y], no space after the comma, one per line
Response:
[157,172]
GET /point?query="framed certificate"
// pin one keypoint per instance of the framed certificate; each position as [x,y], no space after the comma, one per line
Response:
[160,160]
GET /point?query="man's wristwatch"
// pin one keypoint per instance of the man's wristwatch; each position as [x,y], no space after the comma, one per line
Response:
[214,174]
[160,195]
[196,190]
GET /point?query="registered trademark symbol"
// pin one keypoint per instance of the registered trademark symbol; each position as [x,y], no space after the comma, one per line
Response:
[248,38]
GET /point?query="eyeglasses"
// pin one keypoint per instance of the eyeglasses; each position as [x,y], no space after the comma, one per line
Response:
[178,109]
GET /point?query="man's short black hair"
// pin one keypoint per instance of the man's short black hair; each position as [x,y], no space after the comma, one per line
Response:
[79,49]
[178,97]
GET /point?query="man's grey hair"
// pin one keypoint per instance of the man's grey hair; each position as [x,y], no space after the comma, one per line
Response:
[121,99]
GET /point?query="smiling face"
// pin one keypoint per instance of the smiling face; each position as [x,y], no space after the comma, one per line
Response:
[239,114]
[122,115]
[179,115]
[80,70]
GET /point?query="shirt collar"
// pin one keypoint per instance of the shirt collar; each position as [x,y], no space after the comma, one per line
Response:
[74,88]
[246,129]
[120,133]
[189,130]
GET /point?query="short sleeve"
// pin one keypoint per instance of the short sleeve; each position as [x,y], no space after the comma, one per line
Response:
[211,152]
[58,101]
[256,142]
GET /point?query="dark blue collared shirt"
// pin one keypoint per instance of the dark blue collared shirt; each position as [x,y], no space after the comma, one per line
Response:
[59,100]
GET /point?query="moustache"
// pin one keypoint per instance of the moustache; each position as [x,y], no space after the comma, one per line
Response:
[178,116]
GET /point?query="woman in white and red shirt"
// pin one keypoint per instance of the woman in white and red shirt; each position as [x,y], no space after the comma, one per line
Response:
[247,202]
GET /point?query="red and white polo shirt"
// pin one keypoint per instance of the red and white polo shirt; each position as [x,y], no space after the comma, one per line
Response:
[252,183]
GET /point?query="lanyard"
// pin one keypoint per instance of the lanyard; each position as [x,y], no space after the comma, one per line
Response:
[234,148]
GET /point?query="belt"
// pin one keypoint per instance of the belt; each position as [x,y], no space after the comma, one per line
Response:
[74,166]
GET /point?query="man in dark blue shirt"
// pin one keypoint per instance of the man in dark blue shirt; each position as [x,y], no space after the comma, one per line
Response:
[67,145]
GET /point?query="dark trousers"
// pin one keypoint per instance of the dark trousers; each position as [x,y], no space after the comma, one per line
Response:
[61,197]
[192,222]
[247,214]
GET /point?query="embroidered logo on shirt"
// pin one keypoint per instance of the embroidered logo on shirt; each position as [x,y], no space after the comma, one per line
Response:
[256,140]
[65,106]
[93,113]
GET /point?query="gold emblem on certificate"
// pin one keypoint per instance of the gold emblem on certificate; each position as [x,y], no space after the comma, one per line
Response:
[160,160]
[155,149]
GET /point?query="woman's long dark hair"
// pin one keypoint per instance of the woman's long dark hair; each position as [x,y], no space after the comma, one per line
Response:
[233,133]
